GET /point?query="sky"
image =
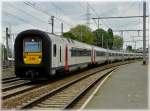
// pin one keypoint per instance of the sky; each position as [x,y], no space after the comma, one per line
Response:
[19,16]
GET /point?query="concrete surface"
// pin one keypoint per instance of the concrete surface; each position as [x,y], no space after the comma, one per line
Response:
[125,89]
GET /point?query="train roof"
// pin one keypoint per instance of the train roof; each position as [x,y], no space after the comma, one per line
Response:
[61,39]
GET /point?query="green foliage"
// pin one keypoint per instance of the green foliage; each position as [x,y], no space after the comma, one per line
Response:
[117,42]
[103,38]
[69,35]
[129,48]
[81,33]
[3,53]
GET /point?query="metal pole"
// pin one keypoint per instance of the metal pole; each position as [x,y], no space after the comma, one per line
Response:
[134,41]
[10,37]
[144,32]
[117,17]
[62,29]
[81,37]
[135,45]
[13,36]
[52,19]
[98,28]
[102,41]
[98,23]
[148,37]
[7,47]
[138,33]
[122,38]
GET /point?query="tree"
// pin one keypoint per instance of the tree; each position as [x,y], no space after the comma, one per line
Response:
[83,33]
[69,35]
[129,48]
[117,42]
[102,38]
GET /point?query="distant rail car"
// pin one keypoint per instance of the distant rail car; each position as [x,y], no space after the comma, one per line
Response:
[40,55]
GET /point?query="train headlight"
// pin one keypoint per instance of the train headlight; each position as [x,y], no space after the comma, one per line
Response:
[39,59]
[32,40]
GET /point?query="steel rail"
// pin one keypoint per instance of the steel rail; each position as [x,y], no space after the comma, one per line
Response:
[23,90]
[10,80]
[35,100]
[81,94]
[15,86]
[58,90]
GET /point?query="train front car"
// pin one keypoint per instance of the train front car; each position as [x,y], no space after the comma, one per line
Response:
[33,55]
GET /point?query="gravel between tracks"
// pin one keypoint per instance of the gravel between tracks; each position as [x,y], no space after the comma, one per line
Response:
[18,100]
[62,98]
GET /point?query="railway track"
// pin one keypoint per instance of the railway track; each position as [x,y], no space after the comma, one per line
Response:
[5,79]
[66,96]
[11,79]
[12,84]
[36,97]
[7,66]
[19,90]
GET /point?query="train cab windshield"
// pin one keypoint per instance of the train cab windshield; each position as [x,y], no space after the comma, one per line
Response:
[32,46]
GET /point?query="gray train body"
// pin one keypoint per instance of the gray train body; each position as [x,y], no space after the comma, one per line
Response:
[64,54]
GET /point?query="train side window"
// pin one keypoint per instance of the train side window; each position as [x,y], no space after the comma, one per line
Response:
[54,50]
[60,53]
[100,53]
[80,52]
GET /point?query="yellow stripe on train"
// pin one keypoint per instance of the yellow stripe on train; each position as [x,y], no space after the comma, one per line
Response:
[32,58]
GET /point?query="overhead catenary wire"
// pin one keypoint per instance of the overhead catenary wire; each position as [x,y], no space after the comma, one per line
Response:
[19,18]
[25,12]
[60,10]
[96,24]
[93,20]
[124,14]
[46,12]
[22,18]
[97,14]
[57,7]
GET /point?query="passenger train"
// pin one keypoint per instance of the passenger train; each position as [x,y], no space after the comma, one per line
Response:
[40,55]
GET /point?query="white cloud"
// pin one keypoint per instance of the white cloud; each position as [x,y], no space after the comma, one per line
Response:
[21,16]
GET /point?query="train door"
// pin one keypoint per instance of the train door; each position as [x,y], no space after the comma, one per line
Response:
[93,57]
[107,55]
[60,57]
[55,56]
[66,58]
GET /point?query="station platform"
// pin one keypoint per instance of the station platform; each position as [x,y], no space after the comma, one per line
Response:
[126,88]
